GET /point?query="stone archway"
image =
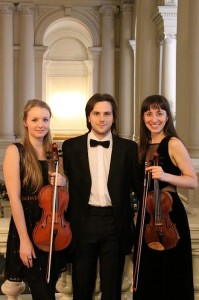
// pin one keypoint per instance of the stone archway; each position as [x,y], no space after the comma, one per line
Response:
[66,42]
[67,74]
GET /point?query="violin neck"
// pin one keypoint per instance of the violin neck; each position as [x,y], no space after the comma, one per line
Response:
[56,201]
[157,203]
[156,185]
[55,194]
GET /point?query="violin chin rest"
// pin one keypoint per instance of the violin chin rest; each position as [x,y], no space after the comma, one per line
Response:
[156,246]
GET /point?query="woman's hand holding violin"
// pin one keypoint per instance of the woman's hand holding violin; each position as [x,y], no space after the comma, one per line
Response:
[61,180]
[157,172]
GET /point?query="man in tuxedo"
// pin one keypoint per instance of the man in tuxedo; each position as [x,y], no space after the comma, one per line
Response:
[102,169]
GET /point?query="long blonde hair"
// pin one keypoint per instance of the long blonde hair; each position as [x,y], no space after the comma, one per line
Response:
[30,163]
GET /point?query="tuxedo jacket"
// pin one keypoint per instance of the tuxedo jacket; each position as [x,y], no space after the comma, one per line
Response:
[123,178]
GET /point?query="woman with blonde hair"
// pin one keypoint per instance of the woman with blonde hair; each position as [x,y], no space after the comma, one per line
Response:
[25,169]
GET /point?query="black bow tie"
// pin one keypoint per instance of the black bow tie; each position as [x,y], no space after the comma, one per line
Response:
[94,143]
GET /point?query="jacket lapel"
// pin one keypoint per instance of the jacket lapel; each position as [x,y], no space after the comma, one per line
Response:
[84,159]
[114,158]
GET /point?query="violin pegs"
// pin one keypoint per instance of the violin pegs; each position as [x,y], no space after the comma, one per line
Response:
[60,153]
[48,155]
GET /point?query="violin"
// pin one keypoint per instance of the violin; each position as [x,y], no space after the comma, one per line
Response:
[53,232]
[160,233]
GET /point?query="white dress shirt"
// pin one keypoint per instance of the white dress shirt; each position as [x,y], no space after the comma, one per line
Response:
[99,163]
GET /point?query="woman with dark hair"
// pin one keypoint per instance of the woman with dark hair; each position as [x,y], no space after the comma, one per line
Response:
[164,273]
[25,169]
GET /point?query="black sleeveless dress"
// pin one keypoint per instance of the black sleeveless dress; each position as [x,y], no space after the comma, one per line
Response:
[14,268]
[168,274]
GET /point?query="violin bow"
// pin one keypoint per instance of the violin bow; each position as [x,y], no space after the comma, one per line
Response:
[52,225]
[137,263]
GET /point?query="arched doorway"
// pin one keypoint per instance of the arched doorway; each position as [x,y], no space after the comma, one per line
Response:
[67,75]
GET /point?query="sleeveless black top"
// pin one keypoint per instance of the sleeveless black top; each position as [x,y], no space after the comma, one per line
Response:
[166,274]
[14,268]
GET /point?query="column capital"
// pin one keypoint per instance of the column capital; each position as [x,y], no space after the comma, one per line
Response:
[67,10]
[127,7]
[7,8]
[40,50]
[133,44]
[170,38]
[26,8]
[167,2]
[166,19]
[95,51]
[108,10]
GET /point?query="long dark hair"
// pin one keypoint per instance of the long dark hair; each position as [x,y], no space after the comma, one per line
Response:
[100,98]
[157,102]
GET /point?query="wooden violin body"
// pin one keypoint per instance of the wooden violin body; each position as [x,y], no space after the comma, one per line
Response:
[160,233]
[52,232]
[42,231]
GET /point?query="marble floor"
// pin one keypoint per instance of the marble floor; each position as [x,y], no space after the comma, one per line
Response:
[127,296]
[25,297]
[22,297]
[58,297]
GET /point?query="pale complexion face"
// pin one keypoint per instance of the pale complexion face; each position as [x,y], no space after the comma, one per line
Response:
[101,119]
[37,122]
[155,120]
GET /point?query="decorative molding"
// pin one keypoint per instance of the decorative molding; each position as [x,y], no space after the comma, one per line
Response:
[7,8]
[26,8]
[133,45]
[108,10]
[170,38]
[166,19]
[95,52]
[89,17]
[127,7]
[67,10]
[39,51]
[167,2]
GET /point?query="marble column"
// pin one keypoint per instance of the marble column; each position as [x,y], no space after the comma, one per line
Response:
[7,71]
[135,134]
[126,85]
[95,53]
[89,66]
[182,73]
[187,110]
[107,73]
[169,72]
[188,54]
[27,58]
[39,76]
[194,226]
[166,20]
[146,81]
